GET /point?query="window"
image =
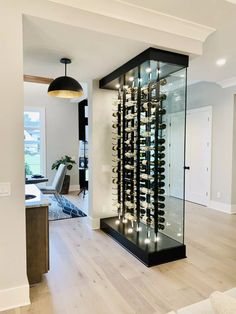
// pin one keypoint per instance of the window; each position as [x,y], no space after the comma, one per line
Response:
[34,141]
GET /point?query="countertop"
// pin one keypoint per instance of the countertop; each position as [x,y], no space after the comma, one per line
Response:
[39,201]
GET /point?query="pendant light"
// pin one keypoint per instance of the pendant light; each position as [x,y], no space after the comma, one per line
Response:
[65,86]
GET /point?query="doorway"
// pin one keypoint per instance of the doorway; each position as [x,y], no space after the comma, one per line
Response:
[198,155]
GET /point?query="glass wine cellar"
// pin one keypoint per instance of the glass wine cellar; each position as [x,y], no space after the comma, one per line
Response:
[148,155]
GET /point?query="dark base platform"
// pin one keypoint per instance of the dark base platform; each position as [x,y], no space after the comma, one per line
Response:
[154,253]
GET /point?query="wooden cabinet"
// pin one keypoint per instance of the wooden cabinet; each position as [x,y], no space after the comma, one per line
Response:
[37,239]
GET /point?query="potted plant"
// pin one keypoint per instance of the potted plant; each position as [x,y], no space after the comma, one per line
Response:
[69,162]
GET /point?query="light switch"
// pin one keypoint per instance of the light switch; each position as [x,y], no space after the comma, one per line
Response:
[5,189]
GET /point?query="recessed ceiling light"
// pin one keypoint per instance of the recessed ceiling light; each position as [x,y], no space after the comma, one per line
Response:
[148,70]
[131,78]
[156,239]
[221,62]
[117,85]
[147,241]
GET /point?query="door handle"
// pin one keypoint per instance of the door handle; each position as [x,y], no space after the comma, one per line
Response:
[186,167]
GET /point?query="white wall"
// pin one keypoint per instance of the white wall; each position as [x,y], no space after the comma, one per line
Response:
[13,281]
[14,289]
[222,102]
[100,153]
[61,124]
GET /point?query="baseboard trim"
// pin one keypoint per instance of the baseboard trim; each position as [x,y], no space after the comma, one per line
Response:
[223,207]
[74,188]
[94,223]
[14,297]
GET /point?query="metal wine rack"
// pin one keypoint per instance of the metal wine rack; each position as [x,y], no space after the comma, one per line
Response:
[138,156]
[141,194]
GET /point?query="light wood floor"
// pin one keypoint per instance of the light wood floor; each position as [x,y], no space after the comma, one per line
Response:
[91,274]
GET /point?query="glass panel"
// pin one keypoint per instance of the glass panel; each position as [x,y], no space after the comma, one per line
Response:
[175,136]
[148,153]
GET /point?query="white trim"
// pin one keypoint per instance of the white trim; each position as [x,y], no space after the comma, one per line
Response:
[14,297]
[74,188]
[223,207]
[94,223]
[228,82]
[141,15]
[43,160]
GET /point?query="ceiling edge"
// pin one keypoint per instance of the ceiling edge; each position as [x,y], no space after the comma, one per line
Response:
[121,10]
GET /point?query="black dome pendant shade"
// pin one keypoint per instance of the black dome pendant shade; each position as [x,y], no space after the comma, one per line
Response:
[65,86]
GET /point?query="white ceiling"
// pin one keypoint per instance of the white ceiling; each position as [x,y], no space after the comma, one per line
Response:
[95,54]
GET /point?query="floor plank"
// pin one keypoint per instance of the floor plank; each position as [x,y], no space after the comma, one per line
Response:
[90,273]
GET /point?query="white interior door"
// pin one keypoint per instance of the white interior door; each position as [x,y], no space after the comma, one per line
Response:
[176,154]
[198,155]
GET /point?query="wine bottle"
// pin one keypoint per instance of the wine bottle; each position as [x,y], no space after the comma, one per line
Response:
[146,205]
[129,204]
[143,198]
[161,212]
[116,102]
[144,90]
[161,97]
[116,136]
[116,205]
[130,129]
[159,205]
[161,198]
[160,155]
[130,116]
[157,141]
[147,120]
[130,103]
[129,167]
[146,191]
[147,134]
[130,155]
[116,159]
[128,142]
[146,176]
[148,104]
[151,148]
[161,219]
[159,184]
[161,227]
[160,169]
[152,163]
[129,192]
[115,170]
[163,82]
[115,181]
[115,147]
[161,111]
[115,114]
[162,126]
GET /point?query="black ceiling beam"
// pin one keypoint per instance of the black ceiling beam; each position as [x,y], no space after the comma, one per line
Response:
[148,54]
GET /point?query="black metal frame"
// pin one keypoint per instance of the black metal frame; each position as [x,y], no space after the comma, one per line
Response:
[148,54]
